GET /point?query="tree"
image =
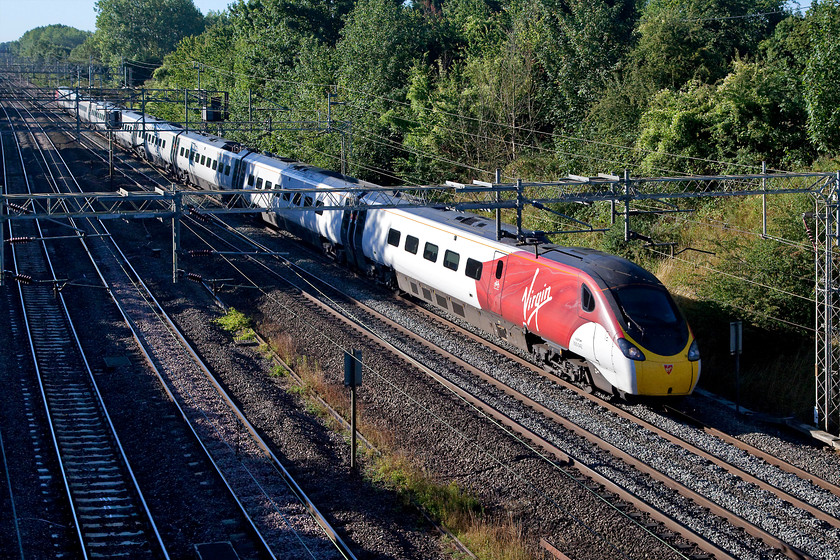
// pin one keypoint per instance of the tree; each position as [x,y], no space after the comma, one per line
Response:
[51,42]
[380,43]
[578,44]
[759,115]
[681,40]
[674,135]
[822,74]
[144,30]
[269,34]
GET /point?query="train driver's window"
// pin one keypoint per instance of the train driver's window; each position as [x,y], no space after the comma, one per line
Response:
[587,301]
[451,260]
[499,267]
[394,237]
[473,269]
[430,252]
[411,244]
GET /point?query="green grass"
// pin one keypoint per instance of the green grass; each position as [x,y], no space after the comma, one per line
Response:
[234,321]
[238,324]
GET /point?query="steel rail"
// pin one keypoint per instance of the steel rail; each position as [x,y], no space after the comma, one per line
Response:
[99,401]
[292,484]
[2,446]
[750,528]
[619,411]
[113,431]
[37,368]
[150,361]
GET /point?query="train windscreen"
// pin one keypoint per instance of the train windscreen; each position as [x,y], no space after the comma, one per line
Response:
[652,319]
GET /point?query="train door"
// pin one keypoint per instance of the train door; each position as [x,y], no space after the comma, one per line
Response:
[352,228]
[495,281]
[598,344]
[239,165]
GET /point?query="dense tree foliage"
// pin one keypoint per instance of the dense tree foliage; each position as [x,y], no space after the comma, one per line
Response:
[49,43]
[822,75]
[144,30]
[443,89]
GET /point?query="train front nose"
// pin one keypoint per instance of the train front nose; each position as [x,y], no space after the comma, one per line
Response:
[666,375]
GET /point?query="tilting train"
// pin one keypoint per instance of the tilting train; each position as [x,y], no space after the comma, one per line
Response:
[586,315]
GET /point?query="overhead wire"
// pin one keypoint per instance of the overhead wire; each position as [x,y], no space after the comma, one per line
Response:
[485,122]
[727,304]
[381,140]
[724,18]
[526,145]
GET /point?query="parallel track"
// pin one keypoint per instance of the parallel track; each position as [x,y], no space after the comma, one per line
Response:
[260,484]
[109,512]
[778,543]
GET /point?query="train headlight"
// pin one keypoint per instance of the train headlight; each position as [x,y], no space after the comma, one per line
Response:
[693,352]
[629,349]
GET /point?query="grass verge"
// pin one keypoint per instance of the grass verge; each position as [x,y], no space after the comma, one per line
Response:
[448,504]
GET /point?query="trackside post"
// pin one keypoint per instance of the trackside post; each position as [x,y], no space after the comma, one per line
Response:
[353,379]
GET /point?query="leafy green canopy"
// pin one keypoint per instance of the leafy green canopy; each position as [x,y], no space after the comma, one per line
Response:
[144,30]
[51,42]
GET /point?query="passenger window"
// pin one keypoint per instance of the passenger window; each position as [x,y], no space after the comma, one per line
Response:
[227,169]
[296,199]
[259,183]
[307,201]
[587,301]
[430,252]
[499,267]
[215,164]
[203,159]
[267,185]
[318,204]
[287,196]
[473,269]
[451,260]
[182,151]
[394,237]
[411,244]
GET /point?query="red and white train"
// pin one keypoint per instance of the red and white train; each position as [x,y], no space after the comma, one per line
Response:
[584,314]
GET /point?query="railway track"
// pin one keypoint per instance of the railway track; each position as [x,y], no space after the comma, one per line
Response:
[805,499]
[277,508]
[108,510]
[809,517]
